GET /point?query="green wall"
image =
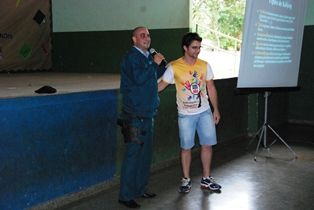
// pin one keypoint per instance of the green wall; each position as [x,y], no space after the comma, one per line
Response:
[101,51]
[301,103]
[309,17]
[234,110]
[117,15]
[92,36]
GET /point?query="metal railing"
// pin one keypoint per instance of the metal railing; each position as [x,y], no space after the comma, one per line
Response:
[236,42]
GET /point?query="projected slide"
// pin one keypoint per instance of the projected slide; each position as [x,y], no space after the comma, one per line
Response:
[272,42]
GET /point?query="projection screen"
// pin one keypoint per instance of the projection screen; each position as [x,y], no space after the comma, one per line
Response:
[272,42]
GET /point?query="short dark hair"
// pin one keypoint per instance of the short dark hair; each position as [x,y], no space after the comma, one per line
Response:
[188,38]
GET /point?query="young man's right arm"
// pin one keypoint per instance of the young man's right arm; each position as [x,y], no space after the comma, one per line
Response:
[166,79]
[162,85]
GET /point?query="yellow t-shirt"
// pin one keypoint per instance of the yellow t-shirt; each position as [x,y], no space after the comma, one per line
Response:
[190,82]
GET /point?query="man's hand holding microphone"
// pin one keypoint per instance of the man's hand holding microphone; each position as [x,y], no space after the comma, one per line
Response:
[158,58]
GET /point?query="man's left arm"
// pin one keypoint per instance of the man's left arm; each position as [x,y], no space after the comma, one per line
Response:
[161,70]
[212,94]
[158,59]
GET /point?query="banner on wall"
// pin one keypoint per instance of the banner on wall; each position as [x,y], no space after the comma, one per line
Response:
[25,35]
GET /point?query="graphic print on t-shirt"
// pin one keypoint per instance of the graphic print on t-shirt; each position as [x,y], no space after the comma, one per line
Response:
[190,82]
[192,88]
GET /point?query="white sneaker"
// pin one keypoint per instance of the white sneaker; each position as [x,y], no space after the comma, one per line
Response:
[209,183]
[185,185]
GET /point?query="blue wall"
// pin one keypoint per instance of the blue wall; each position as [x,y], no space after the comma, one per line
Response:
[54,145]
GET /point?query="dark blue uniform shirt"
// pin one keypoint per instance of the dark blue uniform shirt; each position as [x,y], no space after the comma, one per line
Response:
[139,84]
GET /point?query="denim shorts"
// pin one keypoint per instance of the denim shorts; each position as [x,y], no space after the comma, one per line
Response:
[203,123]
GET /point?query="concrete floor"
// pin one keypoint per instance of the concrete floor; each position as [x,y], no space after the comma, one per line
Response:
[275,181]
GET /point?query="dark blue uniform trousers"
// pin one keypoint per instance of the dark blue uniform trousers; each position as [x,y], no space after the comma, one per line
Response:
[136,164]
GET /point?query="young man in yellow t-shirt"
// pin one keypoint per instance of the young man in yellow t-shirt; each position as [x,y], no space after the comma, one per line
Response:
[194,83]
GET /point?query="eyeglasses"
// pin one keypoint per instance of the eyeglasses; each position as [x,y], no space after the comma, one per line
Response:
[143,35]
[196,47]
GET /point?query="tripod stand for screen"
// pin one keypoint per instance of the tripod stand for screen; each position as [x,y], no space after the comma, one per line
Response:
[262,132]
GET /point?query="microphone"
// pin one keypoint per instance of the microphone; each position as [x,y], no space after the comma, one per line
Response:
[154,52]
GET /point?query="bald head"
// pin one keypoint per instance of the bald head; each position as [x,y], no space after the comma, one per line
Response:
[141,38]
[137,29]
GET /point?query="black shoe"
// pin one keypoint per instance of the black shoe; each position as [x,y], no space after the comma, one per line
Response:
[131,204]
[148,195]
